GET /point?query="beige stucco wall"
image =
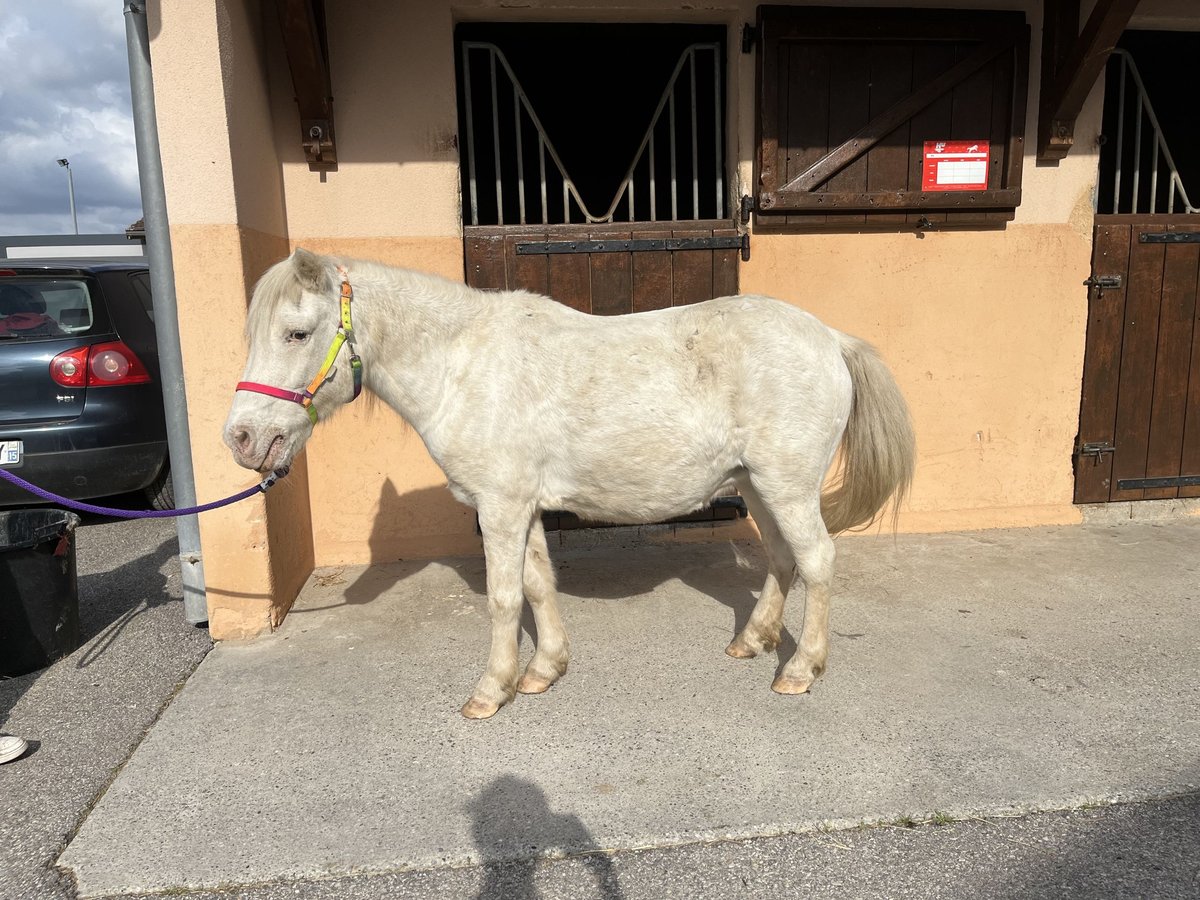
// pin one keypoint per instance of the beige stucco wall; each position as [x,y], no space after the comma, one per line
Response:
[984,329]
[225,205]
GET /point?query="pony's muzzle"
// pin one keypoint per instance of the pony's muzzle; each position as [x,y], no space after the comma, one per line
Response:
[253,449]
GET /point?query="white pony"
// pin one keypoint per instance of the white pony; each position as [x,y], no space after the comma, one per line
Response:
[528,405]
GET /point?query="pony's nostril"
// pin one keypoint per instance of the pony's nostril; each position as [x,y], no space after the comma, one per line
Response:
[241,440]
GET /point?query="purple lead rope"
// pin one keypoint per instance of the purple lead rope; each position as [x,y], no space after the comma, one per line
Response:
[261,487]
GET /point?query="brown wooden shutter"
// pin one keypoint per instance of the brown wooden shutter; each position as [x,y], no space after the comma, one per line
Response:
[847,99]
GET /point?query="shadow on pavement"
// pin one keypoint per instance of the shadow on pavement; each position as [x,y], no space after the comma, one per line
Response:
[513,826]
[109,598]
[726,575]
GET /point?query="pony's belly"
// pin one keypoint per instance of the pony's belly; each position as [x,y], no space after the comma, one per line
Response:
[632,513]
[634,501]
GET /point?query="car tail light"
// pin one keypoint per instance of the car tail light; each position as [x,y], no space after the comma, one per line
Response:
[100,365]
[70,368]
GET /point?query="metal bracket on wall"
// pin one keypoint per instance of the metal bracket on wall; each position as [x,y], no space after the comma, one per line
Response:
[1072,60]
[302,23]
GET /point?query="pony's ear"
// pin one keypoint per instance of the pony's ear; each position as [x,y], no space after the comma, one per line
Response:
[311,271]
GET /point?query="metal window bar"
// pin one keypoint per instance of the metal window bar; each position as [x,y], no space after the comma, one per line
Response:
[496,143]
[674,166]
[471,141]
[1144,110]
[695,141]
[541,176]
[520,156]
[718,136]
[498,64]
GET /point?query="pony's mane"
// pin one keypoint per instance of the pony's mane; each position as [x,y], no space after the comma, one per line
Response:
[280,285]
[277,285]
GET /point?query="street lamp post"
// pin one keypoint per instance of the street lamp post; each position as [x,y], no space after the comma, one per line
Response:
[71,190]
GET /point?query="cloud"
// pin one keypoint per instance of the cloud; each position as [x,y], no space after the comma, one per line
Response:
[65,93]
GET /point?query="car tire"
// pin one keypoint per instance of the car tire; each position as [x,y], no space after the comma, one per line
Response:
[161,492]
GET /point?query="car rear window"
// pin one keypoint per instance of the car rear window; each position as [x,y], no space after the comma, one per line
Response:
[40,308]
[141,287]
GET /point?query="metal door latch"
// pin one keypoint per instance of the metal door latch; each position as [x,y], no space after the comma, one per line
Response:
[1102,283]
[1096,450]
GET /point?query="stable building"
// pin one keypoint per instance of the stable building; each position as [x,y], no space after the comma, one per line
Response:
[995,194]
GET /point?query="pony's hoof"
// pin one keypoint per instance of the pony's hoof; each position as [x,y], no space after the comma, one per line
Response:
[742,648]
[479,709]
[533,684]
[786,685]
[739,649]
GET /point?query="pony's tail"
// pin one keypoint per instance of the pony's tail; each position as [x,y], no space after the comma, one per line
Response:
[878,450]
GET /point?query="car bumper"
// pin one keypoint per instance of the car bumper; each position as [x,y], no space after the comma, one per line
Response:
[85,474]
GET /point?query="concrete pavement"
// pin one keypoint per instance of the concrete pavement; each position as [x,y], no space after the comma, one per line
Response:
[970,675]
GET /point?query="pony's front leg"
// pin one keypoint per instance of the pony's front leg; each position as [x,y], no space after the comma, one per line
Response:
[550,660]
[505,533]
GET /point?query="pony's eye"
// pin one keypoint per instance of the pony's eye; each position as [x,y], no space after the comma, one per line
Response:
[297,337]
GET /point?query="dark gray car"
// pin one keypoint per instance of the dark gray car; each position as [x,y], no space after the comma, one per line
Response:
[81,410]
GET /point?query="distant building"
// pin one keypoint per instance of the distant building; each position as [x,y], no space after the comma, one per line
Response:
[91,246]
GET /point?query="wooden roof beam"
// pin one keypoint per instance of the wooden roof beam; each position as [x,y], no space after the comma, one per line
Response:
[1071,63]
[302,23]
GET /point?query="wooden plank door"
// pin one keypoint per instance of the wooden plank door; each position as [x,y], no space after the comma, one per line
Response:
[603,282]
[1139,424]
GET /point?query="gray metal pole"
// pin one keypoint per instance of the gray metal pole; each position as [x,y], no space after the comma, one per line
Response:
[71,193]
[166,318]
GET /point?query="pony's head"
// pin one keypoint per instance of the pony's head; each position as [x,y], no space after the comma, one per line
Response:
[298,369]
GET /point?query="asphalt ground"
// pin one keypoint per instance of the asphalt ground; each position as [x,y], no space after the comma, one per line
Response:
[86,714]
[1136,850]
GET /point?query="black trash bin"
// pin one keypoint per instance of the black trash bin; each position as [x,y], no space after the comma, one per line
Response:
[39,594]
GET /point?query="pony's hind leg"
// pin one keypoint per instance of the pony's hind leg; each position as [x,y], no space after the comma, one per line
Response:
[805,532]
[549,661]
[761,632]
[505,535]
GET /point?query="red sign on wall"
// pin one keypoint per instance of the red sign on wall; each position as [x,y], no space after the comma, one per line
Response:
[955,166]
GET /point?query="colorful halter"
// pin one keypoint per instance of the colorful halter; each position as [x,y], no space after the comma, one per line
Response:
[345,335]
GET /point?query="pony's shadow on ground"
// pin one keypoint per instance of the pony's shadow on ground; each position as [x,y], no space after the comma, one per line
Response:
[729,573]
[513,826]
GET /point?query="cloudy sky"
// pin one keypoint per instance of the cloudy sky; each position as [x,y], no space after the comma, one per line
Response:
[64,92]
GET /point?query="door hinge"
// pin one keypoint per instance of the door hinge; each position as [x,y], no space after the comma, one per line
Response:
[749,38]
[1169,237]
[1096,450]
[1172,481]
[644,245]
[747,207]
[1103,283]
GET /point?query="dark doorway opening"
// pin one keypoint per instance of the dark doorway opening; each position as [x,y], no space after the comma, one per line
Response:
[644,103]
[1163,59]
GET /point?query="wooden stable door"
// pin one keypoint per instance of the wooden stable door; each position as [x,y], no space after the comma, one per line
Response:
[608,269]
[1139,424]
